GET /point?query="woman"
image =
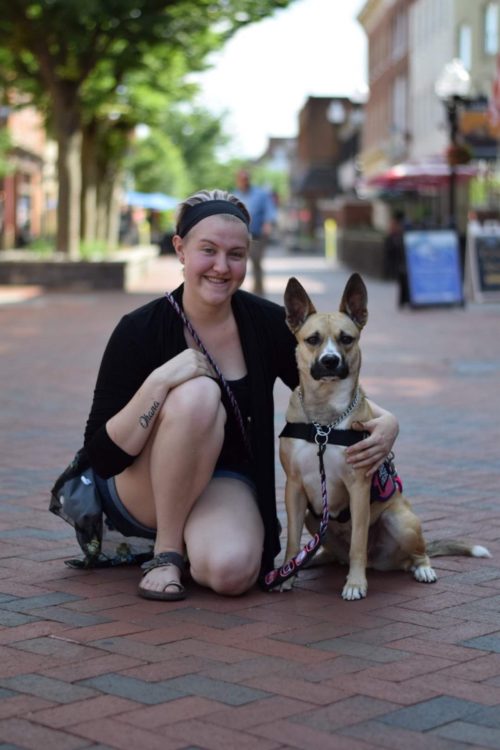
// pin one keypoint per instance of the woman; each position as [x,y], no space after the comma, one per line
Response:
[163,439]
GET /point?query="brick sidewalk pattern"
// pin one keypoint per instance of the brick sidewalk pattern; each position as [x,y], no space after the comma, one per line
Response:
[85,663]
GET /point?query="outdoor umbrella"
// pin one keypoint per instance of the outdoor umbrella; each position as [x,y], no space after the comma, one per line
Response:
[419,175]
[154,201]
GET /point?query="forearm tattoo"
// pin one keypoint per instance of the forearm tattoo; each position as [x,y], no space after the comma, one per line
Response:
[145,419]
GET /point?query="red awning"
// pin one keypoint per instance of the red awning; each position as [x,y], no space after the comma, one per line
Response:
[420,175]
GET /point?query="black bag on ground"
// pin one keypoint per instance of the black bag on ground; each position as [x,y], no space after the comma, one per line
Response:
[74,498]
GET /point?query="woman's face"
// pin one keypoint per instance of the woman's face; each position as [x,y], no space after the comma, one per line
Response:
[214,255]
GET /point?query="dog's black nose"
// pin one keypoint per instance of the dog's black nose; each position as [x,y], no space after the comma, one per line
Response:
[329,366]
[330,361]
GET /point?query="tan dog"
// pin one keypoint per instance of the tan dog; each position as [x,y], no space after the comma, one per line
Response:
[384,535]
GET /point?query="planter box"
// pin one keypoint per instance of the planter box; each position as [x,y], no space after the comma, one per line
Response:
[122,268]
[362,251]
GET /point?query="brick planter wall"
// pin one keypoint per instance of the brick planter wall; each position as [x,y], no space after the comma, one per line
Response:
[21,267]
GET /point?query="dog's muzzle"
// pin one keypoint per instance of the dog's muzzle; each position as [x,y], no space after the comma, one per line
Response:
[329,366]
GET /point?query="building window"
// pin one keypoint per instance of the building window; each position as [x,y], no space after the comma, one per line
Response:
[491,29]
[465,45]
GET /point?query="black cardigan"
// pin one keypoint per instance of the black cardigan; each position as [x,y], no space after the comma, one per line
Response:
[149,336]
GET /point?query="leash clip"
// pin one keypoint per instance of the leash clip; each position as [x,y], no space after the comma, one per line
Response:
[322,434]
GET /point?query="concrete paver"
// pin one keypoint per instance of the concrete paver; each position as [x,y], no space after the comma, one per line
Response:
[85,663]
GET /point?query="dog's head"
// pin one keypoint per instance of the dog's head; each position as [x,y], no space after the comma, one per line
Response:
[327,343]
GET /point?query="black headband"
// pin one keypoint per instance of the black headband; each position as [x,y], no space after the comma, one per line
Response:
[200,211]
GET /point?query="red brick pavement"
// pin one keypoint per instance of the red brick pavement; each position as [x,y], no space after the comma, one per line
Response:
[84,663]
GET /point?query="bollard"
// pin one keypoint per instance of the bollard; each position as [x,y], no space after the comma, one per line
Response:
[331,240]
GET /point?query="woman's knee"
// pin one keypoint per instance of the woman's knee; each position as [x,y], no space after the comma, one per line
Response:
[197,402]
[229,572]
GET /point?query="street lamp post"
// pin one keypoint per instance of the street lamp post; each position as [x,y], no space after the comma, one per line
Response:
[452,87]
[452,112]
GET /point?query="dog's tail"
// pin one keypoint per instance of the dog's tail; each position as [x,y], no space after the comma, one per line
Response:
[441,547]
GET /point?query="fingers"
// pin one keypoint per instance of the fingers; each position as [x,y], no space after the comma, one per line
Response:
[370,463]
[371,452]
[187,365]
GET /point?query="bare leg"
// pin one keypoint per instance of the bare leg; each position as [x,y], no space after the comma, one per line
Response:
[177,463]
[224,537]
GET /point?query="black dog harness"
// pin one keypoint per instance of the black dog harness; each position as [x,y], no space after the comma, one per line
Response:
[309,432]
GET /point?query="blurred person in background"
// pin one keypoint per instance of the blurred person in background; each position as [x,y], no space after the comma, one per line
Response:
[395,258]
[261,206]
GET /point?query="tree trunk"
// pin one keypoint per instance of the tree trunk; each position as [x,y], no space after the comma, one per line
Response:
[108,203]
[102,208]
[69,139]
[88,230]
[115,201]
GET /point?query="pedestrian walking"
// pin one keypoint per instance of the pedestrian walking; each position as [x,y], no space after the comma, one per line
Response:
[261,205]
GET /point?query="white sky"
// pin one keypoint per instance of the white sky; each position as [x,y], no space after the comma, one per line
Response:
[265,73]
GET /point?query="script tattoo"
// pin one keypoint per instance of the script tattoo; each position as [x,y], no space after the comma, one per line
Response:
[146,418]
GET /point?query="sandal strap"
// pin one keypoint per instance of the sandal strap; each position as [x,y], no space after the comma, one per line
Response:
[163,560]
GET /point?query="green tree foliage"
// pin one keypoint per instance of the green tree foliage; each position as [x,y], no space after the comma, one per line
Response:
[180,154]
[158,166]
[72,57]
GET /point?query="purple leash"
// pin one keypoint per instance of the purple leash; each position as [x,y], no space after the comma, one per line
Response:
[279,575]
[223,381]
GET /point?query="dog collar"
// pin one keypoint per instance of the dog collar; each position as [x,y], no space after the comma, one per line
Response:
[321,429]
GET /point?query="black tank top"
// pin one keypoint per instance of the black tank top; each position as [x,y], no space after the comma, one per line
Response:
[233,454]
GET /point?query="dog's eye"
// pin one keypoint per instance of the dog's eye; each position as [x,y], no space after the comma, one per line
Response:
[313,340]
[344,338]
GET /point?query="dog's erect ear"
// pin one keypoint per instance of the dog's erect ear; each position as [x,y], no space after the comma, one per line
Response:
[297,304]
[354,302]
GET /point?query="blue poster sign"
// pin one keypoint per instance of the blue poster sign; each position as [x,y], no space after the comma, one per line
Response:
[434,268]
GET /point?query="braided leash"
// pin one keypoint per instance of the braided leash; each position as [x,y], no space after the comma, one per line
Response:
[223,381]
[279,575]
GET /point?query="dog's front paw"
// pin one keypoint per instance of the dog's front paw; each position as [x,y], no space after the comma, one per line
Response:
[353,591]
[424,574]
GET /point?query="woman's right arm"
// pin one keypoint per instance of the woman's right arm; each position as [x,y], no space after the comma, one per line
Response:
[130,428]
[129,383]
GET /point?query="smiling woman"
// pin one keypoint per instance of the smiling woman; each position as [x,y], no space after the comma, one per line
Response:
[213,248]
[175,452]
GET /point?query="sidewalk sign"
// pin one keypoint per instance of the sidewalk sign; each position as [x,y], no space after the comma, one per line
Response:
[433,267]
[482,269]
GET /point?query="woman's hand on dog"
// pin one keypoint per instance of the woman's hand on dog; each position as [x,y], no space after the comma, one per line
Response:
[371,452]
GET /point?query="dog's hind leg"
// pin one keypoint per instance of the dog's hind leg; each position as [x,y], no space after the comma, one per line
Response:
[405,528]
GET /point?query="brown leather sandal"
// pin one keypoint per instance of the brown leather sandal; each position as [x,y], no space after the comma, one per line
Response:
[164,560]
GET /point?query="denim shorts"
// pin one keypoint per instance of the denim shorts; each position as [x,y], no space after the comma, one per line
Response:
[119,518]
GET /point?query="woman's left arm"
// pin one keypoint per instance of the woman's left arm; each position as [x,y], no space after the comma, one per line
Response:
[371,452]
